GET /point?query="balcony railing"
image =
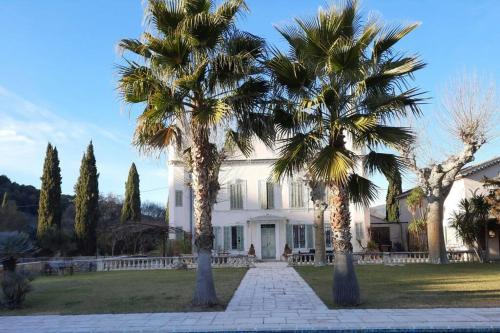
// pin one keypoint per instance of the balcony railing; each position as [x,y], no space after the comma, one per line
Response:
[386,258]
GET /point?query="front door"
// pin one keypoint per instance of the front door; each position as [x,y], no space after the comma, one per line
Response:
[268,241]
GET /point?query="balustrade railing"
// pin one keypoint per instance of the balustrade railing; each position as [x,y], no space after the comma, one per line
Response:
[118,264]
[386,258]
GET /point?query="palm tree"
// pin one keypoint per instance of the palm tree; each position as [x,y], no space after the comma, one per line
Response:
[337,90]
[471,220]
[197,74]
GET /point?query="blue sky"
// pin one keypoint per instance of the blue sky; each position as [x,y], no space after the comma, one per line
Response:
[58,76]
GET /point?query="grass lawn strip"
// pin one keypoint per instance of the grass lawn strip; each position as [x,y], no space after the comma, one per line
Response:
[416,285]
[124,292]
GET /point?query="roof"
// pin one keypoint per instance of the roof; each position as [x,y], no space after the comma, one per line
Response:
[478,167]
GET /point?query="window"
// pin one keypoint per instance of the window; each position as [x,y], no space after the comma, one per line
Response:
[299,236]
[328,237]
[360,234]
[178,198]
[236,195]
[266,194]
[296,195]
[233,238]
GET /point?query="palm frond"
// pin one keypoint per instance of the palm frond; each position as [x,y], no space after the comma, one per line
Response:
[390,37]
[165,15]
[134,46]
[382,135]
[385,163]
[239,140]
[293,154]
[362,192]
[332,164]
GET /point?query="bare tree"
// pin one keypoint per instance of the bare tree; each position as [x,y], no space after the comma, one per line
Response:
[470,107]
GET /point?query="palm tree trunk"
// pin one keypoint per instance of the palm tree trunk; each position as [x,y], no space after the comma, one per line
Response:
[486,243]
[319,233]
[435,234]
[204,294]
[345,283]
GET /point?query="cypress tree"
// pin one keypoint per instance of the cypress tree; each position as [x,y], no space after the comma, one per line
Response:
[87,203]
[4,200]
[131,210]
[394,189]
[49,204]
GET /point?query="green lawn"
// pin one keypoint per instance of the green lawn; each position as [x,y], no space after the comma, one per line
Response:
[416,286]
[123,292]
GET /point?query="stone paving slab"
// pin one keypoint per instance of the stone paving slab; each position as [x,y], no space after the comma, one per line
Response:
[477,319]
[271,298]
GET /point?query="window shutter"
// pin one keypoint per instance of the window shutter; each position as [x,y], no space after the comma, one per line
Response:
[232,196]
[238,196]
[309,236]
[262,194]
[217,239]
[239,232]
[270,195]
[289,235]
[292,195]
[227,238]
[243,190]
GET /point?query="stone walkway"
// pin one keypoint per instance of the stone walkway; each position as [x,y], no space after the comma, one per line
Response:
[274,287]
[271,297]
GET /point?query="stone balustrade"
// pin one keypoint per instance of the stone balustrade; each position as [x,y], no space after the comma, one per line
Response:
[147,263]
[386,258]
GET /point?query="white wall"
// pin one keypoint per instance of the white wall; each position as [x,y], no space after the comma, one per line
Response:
[251,171]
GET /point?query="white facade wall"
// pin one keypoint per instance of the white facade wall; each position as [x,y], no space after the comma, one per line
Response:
[250,173]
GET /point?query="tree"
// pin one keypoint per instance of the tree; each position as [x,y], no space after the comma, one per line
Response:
[337,90]
[417,207]
[469,108]
[470,221]
[87,203]
[131,210]
[394,188]
[493,197]
[49,205]
[199,76]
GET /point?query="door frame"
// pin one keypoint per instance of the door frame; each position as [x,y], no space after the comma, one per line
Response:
[268,226]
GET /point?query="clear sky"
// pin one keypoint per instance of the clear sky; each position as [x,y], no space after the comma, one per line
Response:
[58,76]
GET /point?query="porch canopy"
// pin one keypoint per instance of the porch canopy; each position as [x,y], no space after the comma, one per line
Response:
[267,219]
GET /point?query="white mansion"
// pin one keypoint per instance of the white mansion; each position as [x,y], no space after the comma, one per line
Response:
[251,209]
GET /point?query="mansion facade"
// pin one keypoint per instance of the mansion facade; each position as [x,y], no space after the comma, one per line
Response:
[251,209]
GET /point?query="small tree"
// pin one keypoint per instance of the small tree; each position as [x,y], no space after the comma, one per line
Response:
[87,203]
[470,221]
[131,210]
[49,207]
[470,109]
[416,205]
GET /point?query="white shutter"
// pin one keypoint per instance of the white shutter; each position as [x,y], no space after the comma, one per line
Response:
[270,195]
[262,194]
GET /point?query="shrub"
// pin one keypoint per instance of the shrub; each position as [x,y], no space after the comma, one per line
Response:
[15,286]
[14,245]
[372,246]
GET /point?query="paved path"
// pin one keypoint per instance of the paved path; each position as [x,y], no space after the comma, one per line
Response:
[271,297]
[273,286]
